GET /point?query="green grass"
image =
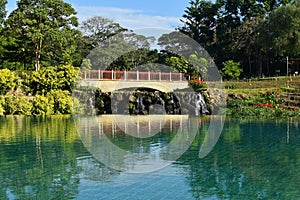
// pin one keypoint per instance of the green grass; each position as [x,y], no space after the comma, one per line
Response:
[274,82]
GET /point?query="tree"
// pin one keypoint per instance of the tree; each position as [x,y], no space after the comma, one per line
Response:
[233,29]
[99,44]
[139,50]
[44,31]
[231,70]
[200,22]
[7,81]
[125,50]
[97,30]
[200,65]
[284,23]
[250,38]
[2,18]
[179,63]
[2,11]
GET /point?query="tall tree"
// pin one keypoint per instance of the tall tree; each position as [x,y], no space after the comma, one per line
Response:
[232,29]
[284,26]
[200,22]
[44,30]
[2,10]
[2,18]
[98,29]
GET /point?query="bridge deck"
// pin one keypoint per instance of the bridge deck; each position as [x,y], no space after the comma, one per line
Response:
[109,81]
[132,75]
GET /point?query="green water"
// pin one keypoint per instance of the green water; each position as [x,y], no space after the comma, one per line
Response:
[44,158]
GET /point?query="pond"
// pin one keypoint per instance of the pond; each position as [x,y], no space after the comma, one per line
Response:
[60,158]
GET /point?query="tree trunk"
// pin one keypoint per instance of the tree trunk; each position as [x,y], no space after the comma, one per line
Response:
[259,64]
[37,64]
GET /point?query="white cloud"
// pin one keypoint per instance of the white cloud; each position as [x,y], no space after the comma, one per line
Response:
[128,18]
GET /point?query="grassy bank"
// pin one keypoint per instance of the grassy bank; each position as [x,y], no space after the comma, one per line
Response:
[277,97]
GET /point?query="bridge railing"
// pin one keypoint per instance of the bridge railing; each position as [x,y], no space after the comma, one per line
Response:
[131,75]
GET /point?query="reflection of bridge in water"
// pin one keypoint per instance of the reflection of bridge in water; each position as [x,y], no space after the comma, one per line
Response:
[139,126]
[137,143]
[109,81]
[143,143]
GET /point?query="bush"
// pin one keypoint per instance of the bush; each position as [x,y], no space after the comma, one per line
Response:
[42,106]
[231,70]
[53,78]
[2,102]
[198,86]
[17,106]
[238,108]
[7,81]
[61,101]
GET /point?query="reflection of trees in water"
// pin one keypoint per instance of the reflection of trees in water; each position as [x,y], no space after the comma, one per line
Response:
[38,158]
[258,165]
[93,170]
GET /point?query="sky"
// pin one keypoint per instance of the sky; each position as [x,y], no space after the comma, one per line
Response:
[131,14]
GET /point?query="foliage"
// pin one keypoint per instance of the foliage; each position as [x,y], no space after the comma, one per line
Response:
[2,10]
[126,50]
[200,20]
[42,106]
[56,102]
[198,86]
[7,81]
[2,102]
[231,70]
[179,63]
[239,109]
[17,106]
[97,30]
[268,104]
[62,77]
[44,31]
[271,98]
[242,30]
[86,64]
[284,22]
[61,101]
[200,65]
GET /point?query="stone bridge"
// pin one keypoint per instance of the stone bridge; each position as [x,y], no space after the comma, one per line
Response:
[109,81]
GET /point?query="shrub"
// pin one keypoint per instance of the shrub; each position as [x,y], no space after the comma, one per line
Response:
[7,81]
[2,101]
[198,86]
[17,106]
[42,106]
[61,101]
[53,78]
[231,70]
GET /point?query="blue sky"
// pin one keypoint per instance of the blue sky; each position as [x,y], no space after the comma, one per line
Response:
[133,14]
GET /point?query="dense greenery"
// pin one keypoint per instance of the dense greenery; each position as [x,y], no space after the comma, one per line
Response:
[231,70]
[265,104]
[43,92]
[43,32]
[258,34]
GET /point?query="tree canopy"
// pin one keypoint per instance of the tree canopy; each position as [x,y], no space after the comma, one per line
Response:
[256,33]
[44,31]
